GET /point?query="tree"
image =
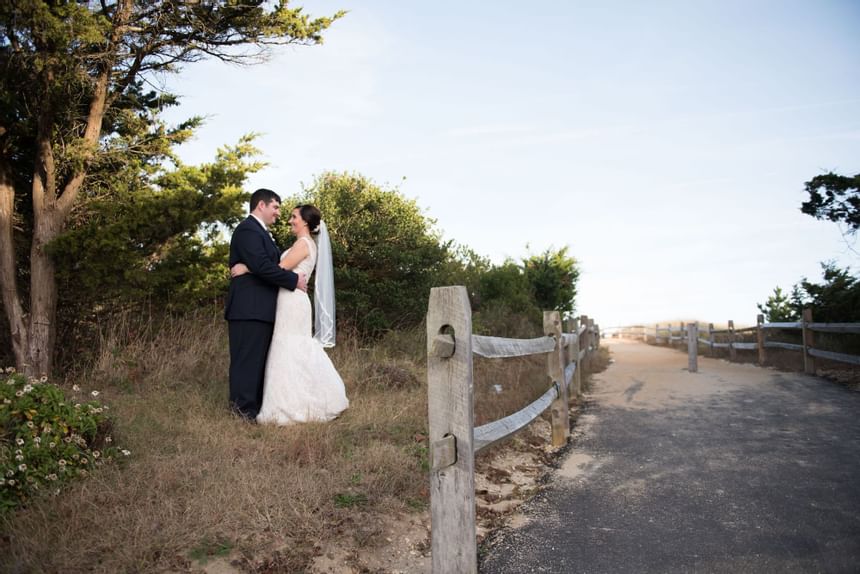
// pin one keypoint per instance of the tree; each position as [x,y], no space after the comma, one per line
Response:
[71,102]
[836,300]
[836,198]
[386,252]
[553,276]
[778,308]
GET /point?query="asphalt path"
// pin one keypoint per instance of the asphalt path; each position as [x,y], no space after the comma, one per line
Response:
[735,469]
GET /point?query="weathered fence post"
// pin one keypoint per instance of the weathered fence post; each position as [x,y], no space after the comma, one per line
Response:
[733,353]
[586,339]
[592,341]
[452,475]
[560,409]
[759,335]
[693,346]
[574,357]
[710,339]
[808,342]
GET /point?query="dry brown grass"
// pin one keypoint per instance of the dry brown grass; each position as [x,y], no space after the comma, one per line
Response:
[202,483]
[201,480]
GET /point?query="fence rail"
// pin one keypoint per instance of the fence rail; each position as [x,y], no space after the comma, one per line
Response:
[454,440]
[807,327]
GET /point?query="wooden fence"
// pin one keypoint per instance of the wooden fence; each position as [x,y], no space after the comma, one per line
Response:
[808,328]
[454,440]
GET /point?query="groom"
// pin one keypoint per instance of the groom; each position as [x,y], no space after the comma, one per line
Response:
[251,300]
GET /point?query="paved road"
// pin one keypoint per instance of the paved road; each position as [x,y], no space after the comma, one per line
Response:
[731,469]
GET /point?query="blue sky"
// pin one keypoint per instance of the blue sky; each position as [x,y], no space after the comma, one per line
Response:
[666,143]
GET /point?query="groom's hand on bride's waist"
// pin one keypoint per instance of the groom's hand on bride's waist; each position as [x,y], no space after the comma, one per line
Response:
[302,283]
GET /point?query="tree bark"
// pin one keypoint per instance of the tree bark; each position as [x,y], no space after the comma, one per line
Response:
[51,208]
[8,281]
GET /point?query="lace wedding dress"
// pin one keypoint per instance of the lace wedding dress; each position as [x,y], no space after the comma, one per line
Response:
[301,383]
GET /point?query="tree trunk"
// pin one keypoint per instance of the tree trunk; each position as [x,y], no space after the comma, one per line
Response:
[8,282]
[43,300]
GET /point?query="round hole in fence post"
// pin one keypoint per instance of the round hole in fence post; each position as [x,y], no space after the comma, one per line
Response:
[444,343]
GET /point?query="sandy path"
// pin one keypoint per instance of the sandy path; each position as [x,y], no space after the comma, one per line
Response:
[731,469]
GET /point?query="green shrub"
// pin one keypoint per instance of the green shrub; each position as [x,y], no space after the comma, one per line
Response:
[47,439]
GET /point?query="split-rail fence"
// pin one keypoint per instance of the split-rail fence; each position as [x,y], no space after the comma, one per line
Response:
[454,440]
[689,333]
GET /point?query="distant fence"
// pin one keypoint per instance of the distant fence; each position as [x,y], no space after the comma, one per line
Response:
[454,440]
[808,328]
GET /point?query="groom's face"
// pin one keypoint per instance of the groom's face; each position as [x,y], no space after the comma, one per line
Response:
[269,212]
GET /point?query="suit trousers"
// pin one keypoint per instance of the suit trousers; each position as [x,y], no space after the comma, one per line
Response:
[249,347]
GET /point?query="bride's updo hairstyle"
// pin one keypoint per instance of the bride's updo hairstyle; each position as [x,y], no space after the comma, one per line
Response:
[312,216]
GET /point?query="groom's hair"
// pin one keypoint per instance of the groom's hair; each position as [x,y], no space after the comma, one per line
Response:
[264,195]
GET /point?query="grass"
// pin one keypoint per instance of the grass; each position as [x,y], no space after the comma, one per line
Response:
[202,484]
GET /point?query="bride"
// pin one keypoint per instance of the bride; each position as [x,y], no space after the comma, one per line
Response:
[301,383]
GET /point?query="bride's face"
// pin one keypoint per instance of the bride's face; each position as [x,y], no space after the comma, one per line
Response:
[297,224]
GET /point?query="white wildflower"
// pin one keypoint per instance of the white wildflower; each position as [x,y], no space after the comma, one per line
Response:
[76,388]
[19,393]
[28,388]
[22,467]
[43,379]
[19,441]
[95,393]
[19,457]
[126,452]
[108,439]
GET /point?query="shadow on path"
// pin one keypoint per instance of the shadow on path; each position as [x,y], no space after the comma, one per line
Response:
[732,469]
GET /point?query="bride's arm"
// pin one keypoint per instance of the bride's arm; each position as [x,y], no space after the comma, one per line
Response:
[297,252]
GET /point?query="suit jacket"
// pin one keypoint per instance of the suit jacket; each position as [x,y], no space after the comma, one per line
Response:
[253,296]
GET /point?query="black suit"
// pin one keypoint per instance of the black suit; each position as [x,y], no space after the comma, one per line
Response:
[250,311]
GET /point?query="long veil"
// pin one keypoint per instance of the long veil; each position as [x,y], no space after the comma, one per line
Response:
[324,319]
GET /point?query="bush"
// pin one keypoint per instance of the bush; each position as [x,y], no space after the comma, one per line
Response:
[386,252]
[47,439]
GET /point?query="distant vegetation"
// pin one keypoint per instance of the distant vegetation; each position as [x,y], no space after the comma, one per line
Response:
[836,299]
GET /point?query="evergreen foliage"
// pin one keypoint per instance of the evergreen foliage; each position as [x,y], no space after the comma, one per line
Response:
[80,135]
[778,308]
[386,253]
[835,198]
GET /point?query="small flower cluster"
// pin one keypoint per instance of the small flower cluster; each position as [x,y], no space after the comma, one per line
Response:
[48,438]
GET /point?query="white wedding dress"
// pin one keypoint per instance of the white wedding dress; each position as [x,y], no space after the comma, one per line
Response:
[301,383]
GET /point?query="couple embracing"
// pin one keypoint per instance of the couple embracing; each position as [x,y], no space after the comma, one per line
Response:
[279,373]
